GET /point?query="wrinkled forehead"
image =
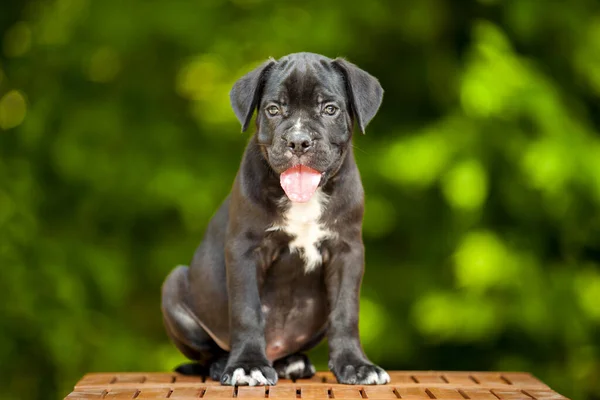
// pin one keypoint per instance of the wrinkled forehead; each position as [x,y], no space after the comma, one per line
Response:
[299,82]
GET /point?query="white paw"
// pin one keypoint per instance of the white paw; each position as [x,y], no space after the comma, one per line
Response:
[371,379]
[382,378]
[295,368]
[240,378]
[377,377]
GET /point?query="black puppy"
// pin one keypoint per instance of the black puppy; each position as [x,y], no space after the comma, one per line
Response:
[282,259]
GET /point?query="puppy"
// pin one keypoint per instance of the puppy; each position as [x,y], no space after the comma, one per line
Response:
[282,260]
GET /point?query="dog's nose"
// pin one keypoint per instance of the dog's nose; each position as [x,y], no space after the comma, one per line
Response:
[299,142]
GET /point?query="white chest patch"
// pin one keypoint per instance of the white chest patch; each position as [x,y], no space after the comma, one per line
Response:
[301,221]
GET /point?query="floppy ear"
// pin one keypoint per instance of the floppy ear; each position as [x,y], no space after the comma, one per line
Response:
[246,93]
[364,91]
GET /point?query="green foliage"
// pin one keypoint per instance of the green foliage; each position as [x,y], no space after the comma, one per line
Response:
[482,174]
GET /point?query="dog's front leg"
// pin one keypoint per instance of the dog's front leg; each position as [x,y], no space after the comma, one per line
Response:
[247,363]
[347,359]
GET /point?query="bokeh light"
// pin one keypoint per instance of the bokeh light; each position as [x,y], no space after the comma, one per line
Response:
[12,109]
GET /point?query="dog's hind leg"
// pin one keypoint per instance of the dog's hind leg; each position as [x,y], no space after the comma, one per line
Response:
[218,366]
[296,366]
[183,326]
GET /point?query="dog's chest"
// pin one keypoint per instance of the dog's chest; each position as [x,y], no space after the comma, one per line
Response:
[303,222]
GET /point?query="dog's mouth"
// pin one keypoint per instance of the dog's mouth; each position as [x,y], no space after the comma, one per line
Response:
[300,183]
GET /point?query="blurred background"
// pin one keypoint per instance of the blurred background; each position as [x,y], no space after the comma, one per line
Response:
[482,174]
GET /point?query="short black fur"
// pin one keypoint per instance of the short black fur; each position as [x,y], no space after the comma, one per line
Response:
[247,301]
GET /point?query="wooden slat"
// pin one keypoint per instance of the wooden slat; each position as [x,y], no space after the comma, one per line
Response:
[96,379]
[346,392]
[287,381]
[86,394]
[493,380]
[522,379]
[446,394]
[320,378]
[545,395]
[401,378]
[428,378]
[511,395]
[150,393]
[460,379]
[314,392]
[380,392]
[191,379]
[218,392]
[121,394]
[186,393]
[154,378]
[479,394]
[282,392]
[246,392]
[412,393]
[133,378]
[323,386]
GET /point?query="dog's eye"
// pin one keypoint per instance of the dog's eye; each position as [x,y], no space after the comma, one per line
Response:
[273,110]
[330,110]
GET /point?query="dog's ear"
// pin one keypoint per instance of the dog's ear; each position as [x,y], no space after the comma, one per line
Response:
[246,93]
[364,91]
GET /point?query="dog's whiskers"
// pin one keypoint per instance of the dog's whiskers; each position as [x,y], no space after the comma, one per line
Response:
[359,149]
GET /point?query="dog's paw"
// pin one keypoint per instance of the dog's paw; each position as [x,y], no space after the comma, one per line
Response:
[217,367]
[296,366]
[249,374]
[359,373]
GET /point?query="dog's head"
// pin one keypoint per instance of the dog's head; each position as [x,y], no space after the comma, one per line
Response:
[307,105]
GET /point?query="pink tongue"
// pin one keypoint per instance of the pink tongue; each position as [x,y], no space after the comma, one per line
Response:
[300,183]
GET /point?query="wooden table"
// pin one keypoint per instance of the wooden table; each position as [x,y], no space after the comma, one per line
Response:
[404,385]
